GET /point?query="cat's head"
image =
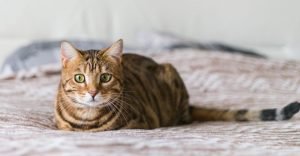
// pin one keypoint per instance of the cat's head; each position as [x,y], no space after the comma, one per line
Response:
[93,77]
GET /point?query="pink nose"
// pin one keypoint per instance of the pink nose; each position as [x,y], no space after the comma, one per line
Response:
[93,93]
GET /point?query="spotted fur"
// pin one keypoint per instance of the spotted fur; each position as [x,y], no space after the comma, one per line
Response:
[140,94]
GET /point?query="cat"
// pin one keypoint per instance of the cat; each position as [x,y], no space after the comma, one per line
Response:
[104,90]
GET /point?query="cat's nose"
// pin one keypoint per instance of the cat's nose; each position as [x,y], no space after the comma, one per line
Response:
[93,93]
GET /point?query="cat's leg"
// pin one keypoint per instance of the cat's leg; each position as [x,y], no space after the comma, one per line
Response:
[136,124]
[63,125]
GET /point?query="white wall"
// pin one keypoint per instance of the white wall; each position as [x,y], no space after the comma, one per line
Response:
[272,26]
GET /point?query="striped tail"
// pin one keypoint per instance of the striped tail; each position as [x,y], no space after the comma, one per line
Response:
[206,114]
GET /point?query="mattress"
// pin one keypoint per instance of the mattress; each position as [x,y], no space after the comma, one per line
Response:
[216,80]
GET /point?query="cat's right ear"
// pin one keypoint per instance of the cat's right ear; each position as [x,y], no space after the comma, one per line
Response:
[67,51]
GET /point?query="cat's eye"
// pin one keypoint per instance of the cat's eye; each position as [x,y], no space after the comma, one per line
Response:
[79,78]
[105,77]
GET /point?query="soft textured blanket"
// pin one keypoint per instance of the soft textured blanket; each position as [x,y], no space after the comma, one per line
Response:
[213,80]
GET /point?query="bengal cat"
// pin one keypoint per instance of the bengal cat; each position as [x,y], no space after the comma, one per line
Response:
[106,90]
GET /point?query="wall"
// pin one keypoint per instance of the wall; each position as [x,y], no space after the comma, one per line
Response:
[272,26]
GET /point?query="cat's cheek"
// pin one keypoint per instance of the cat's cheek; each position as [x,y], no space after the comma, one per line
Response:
[79,98]
[87,98]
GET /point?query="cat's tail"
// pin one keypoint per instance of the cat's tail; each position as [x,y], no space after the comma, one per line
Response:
[206,114]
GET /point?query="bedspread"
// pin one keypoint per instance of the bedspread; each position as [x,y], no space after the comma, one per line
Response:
[213,79]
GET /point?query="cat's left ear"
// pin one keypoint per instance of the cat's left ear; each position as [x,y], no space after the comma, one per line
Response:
[116,50]
[68,52]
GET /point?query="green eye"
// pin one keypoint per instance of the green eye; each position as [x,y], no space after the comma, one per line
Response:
[105,77]
[79,78]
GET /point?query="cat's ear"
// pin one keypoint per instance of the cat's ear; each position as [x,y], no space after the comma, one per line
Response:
[67,51]
[116,50]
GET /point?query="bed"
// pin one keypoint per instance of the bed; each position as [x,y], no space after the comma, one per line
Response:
[218,80]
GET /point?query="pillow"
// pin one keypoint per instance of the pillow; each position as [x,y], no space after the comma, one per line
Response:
[39,57]
[42,57]
[158,41]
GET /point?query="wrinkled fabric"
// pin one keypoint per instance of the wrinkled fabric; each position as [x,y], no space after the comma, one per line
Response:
[213,80]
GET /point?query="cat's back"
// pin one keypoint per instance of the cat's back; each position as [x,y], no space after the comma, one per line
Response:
[131,59]
[158,90]
[140,67]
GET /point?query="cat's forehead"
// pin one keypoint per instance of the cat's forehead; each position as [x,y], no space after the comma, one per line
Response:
[94,61]
[90,54]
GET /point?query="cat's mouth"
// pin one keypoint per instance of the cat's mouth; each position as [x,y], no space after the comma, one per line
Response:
[99,101]
[93,102]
